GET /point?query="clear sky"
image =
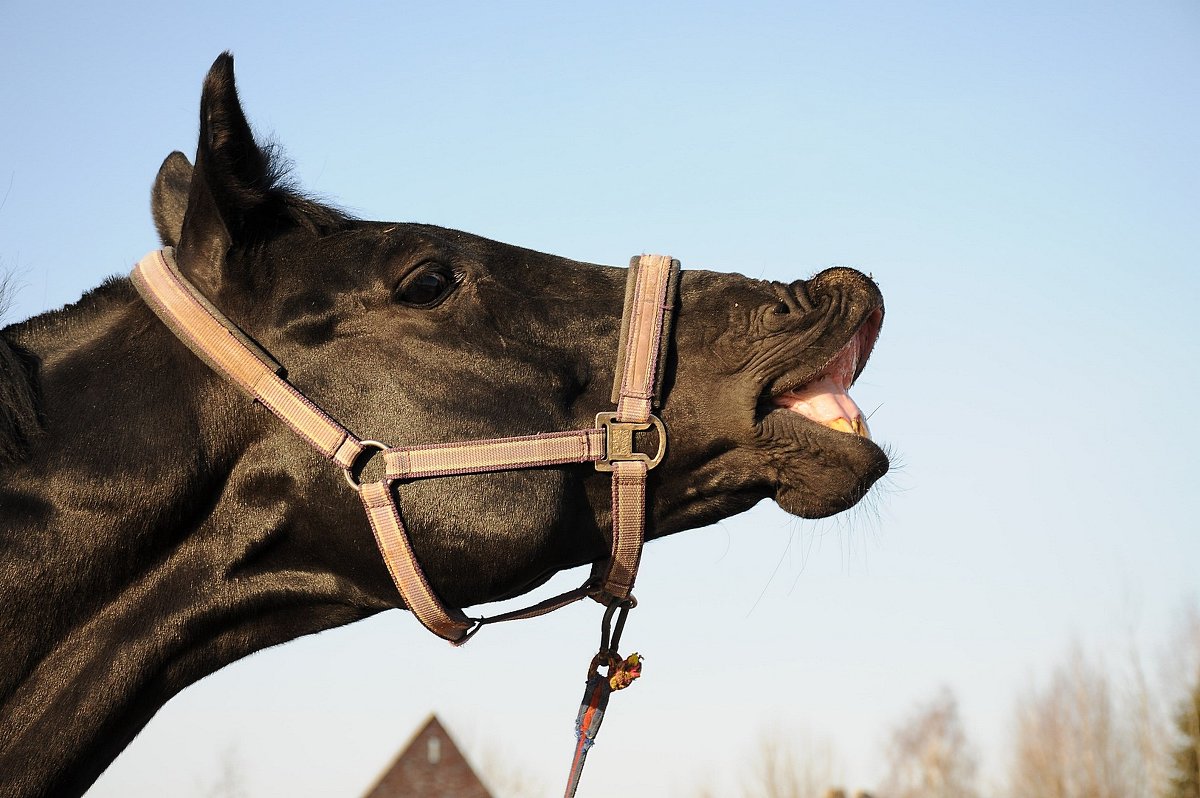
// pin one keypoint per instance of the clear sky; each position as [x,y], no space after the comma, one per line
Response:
[1022,179]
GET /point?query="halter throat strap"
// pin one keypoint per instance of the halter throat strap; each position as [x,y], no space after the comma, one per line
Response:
[648,314]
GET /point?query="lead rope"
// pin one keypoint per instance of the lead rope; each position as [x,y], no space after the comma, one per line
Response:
[621,673]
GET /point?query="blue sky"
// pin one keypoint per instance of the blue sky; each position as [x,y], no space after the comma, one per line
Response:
[1023,181]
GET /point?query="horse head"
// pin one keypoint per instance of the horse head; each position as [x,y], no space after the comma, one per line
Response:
[207,529]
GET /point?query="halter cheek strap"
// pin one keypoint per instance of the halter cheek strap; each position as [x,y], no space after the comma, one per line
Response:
[649,303]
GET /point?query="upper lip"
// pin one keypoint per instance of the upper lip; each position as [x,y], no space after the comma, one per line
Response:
[867,331]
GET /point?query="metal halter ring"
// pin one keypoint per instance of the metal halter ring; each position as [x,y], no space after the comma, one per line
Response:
[348,471]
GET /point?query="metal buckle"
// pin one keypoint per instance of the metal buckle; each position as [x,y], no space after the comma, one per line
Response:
[353,474]
[618,441]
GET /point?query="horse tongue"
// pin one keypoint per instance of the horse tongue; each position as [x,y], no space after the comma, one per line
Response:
[825,401]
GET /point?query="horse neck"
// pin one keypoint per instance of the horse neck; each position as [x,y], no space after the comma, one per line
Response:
[116,588]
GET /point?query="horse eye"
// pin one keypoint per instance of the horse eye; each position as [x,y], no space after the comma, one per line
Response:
[426,288]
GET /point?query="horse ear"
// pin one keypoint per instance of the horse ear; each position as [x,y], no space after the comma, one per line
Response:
[169,197]
[231,181]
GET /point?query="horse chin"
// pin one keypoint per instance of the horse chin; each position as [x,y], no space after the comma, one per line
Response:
[819,471]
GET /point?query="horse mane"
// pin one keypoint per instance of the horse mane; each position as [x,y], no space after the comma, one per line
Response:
[285,198]
[19,419]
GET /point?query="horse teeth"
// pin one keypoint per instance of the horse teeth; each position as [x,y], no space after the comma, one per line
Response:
[841,425]
[861,429]
[856,427]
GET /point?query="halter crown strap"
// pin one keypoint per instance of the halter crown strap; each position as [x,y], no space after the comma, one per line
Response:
[649,302]
[225,348]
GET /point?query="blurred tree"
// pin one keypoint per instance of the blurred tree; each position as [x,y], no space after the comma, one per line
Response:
[1185,758]
[787,766]
[1074,741]
[229,781]
[929,755]
[506,777]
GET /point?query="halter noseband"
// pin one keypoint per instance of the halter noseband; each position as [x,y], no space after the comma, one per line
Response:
[645,331]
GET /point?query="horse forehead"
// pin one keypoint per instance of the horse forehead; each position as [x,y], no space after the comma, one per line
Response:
[385,248]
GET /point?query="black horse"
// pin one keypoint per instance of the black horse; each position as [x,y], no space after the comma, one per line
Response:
[155,525]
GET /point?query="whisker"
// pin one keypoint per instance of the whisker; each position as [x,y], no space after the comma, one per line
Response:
[771,578]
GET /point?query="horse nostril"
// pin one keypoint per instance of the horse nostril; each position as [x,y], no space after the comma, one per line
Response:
[782,309]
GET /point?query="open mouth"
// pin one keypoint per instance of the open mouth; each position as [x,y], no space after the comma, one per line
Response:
[824,396]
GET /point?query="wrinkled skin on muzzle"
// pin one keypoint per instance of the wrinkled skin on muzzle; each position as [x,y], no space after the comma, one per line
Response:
[741,343]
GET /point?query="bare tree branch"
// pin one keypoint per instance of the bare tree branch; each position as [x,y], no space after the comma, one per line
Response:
[790,766]
[929,755]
